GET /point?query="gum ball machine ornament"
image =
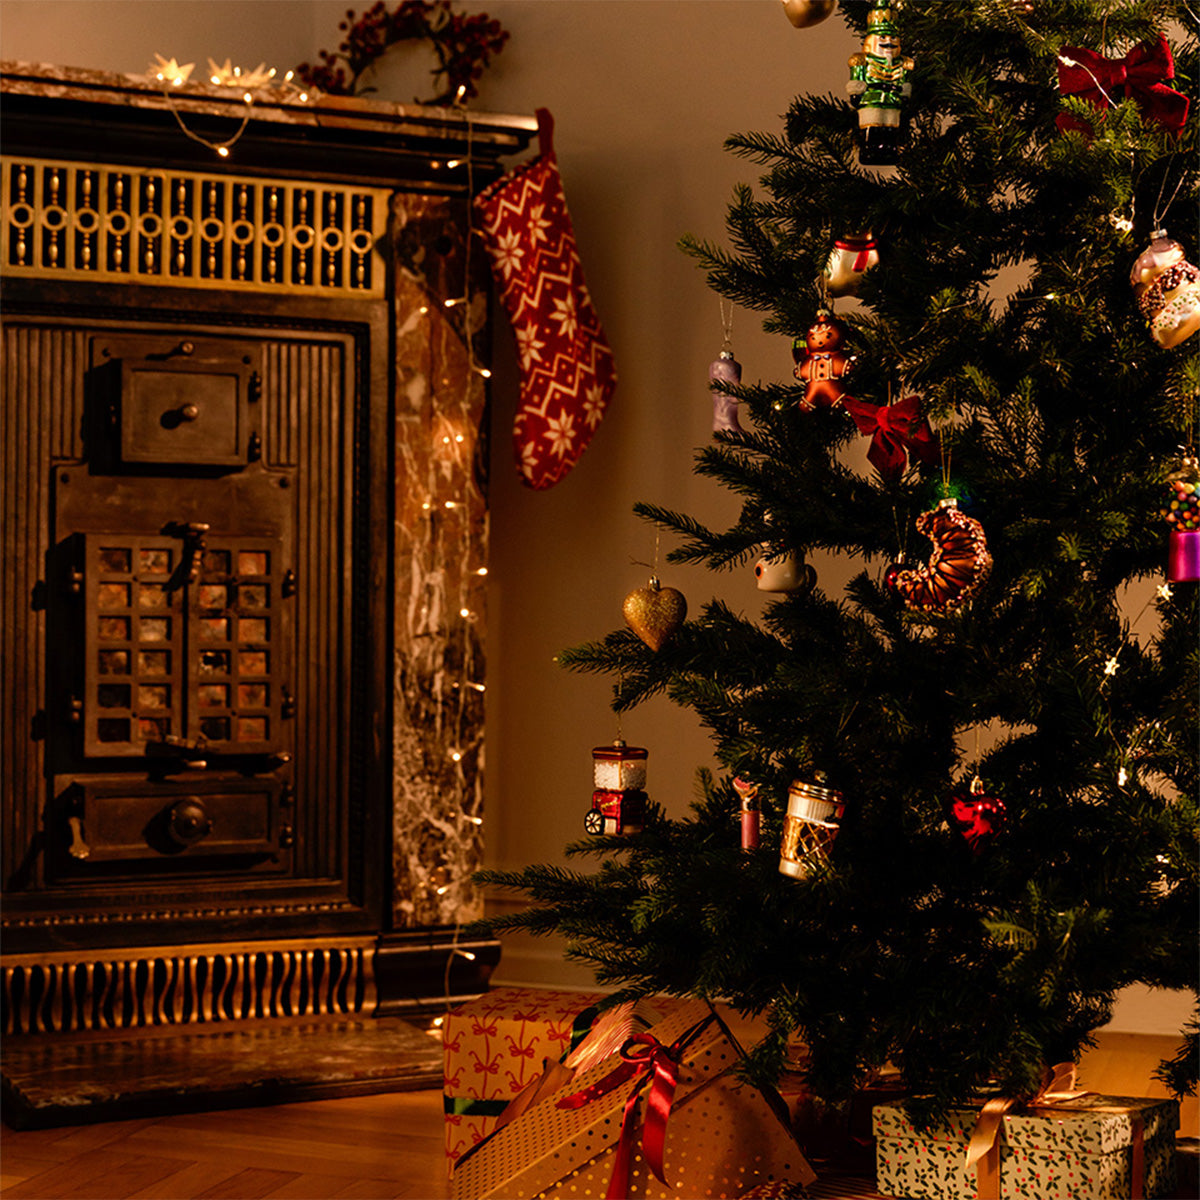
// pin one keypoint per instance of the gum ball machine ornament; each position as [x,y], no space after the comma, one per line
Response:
[1182,513]
[814,816]
[619,799]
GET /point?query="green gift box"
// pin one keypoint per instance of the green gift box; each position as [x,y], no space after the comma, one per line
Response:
[1083,1147]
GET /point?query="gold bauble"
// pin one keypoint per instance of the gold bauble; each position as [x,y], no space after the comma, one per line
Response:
[654,613]
[804,13]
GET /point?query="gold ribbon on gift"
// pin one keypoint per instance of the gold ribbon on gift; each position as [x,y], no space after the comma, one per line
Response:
[1056,1093]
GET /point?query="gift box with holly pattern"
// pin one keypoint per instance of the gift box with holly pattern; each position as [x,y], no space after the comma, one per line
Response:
[1082,1147]
[497,1045]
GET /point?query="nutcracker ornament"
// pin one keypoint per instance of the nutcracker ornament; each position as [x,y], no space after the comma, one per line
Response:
[814,817]
[957,568]
[619,798]
[1182,512]
[849,260]
[879,85]
[822,362]
[1167,289]
[724,369]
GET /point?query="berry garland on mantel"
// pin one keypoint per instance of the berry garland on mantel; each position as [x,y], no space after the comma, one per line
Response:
[464,46]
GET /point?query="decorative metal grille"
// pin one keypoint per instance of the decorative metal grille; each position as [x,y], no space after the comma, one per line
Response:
[174,662]
[187,985]
[186,229]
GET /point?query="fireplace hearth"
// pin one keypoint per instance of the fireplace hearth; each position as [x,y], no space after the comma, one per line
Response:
[244,500]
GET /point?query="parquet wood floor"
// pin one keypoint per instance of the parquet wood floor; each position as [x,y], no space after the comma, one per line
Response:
[381,1147]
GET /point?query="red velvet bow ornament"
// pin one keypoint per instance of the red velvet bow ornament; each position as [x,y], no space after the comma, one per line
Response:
[643,1057]
[896,431]
[1102,81]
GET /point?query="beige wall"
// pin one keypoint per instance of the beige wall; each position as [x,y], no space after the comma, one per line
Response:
[644,93]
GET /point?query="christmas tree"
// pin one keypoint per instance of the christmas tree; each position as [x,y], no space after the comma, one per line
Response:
[978,760]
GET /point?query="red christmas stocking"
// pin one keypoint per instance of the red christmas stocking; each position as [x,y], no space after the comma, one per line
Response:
[567,372]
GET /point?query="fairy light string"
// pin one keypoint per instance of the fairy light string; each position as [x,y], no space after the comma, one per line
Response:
[172,75]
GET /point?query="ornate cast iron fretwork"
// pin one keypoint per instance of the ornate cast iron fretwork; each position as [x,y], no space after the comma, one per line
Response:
[187,985]
[67,220]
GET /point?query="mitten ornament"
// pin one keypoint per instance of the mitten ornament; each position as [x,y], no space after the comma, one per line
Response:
[821,363]
[1167,289]
[567,370]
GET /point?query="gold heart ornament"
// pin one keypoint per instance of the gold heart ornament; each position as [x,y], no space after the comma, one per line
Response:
[654,612]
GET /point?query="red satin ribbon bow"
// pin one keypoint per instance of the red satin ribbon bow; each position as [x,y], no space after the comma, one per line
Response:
[896,430]
[643,1057]
[1102,80]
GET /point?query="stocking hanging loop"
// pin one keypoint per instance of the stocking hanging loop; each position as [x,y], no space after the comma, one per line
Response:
[545,120]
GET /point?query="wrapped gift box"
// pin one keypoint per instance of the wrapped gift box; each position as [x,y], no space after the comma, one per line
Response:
[1077,1148]
[722,1138]
[496,1045]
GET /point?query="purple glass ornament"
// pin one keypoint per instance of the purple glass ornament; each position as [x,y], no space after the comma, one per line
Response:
[1183,563]
[725,369]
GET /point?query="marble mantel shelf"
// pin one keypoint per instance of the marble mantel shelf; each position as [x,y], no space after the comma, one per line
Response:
[415,129]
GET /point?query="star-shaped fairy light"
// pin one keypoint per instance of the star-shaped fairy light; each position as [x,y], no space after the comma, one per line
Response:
[168,72]
[1110,667]
[1164,591]
[227,75]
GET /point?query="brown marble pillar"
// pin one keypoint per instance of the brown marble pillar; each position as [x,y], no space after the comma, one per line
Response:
[441,564]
